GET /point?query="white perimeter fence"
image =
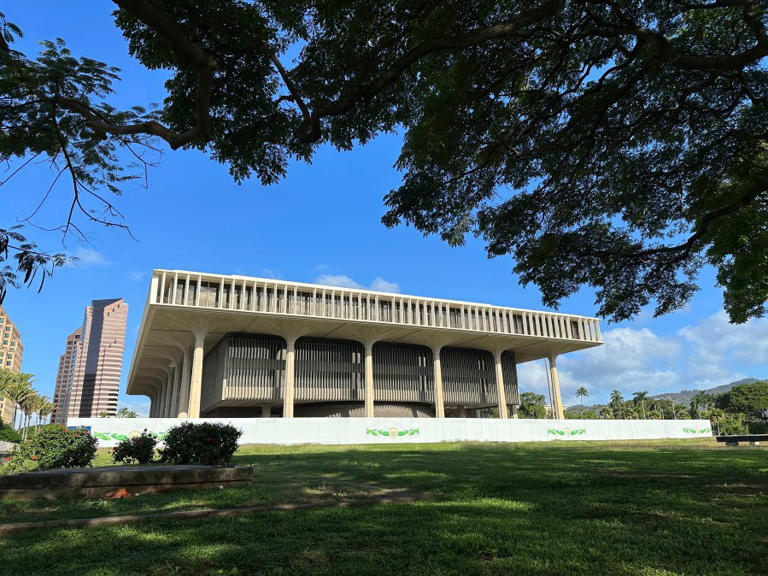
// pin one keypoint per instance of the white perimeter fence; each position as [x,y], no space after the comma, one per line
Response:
[109,431]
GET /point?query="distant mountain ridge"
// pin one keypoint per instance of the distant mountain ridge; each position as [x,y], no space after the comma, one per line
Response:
[685,396]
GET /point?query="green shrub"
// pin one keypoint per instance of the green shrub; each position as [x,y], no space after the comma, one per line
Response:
[204,443]
[54,447]
[8,434]
[139,449]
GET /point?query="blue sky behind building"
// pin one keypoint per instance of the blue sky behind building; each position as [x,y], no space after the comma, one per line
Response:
[320,224]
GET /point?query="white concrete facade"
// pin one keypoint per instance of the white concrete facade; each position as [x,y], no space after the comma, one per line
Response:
[286,431]
[212,344]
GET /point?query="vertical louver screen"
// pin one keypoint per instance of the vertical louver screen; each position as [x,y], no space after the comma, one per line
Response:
[328,370]
[402,373]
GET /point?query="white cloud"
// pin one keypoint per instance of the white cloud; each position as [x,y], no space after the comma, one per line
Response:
[337,280]
[624,349]
[379,283]
[715,338]
[384,285]
[269,273]
[87,257]
[708,353]
[630,360]
[137,275]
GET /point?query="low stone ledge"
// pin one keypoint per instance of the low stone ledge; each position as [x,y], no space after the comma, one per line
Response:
[117,481]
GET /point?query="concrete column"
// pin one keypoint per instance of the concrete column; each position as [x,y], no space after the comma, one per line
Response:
[549,385]
[290,376]
[169,390]
[196,379]
[174,405]
[151,407]
[557,403]
[154,288]
[161,401]
[502,396]
[369,393]
[266,411]
[438,376]
[186,373]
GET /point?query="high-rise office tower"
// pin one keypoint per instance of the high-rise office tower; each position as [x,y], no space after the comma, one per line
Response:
[94,382]
[64,377]
[11,351]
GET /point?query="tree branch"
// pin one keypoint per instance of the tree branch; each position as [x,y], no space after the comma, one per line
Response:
[311,128]
[187,54]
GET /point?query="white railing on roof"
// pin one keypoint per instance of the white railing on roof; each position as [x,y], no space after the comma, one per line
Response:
[259,295]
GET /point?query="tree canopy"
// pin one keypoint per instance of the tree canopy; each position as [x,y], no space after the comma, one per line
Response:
[748,399]
[619,145]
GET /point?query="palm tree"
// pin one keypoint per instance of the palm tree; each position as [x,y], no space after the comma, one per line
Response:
[44,409]
[639,398]
[715,415]
[17,389]
[616,403]
[29,406]
[7,379]
[580,393]
[701,401]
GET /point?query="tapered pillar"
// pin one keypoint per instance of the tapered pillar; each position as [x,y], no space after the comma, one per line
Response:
[174,397]
[266,411]
[152,407]
[557,403]
[290,377]
[196,378]
[438,376]
[161,407]
[169,390]
[501,393]
[186,374]
[369,393]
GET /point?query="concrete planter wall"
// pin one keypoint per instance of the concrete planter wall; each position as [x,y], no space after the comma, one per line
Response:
[109,431]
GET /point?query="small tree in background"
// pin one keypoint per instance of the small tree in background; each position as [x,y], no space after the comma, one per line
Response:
[581,393]
[125,413]
[532,405]
[44,409]
[640,398]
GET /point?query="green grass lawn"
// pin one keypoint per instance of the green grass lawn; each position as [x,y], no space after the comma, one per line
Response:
[654,508]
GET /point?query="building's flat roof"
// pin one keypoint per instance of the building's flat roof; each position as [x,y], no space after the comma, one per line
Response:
[309,285]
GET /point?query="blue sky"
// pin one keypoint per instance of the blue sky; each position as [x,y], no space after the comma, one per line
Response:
[321,223]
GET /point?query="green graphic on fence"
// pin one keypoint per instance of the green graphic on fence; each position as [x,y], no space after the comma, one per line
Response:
[108,436]
[392,432]
[697,430]
[566,431]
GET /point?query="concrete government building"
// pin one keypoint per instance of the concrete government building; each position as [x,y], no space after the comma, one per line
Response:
[234,346]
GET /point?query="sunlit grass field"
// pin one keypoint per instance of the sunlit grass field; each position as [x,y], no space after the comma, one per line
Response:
[652,508]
